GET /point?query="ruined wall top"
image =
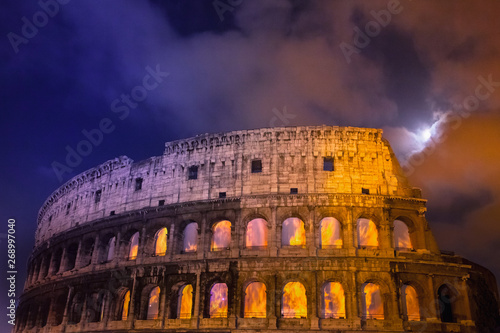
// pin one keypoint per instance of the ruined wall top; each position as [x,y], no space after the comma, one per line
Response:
[291,157]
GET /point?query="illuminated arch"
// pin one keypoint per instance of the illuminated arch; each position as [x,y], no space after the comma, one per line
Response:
[401,238]
[293,232]
[367,233]
[125,306]
[333,300]
[255,300]
[372,305]
[294,301]
[153,303]
[161,242]
[331,233]
[410,301]
[256,235]
[221,235]
[185,302]
[134,246]
[190,237]
[218,301]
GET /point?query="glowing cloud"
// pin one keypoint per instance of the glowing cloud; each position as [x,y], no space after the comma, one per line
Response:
[134,246]
[218,301]
[161,242]
[330,233]
[293,232]
[153,304]
[333,302]
[191,237]
[256,233]
[294,300]
[373,307]
[221,238]
[367,233]
[401,235]
[255,300]
[186,302]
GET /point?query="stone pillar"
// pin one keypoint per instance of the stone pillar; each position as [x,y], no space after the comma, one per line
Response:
[95,253]
[67,306]
[171,246]
[203,242]
[275,238]
[313,300]
[78,257]
[466,303]
[311,238]
[142,248]
[196,315]
[235,239]
[352,299]
[432,307]
[163,305]
[349,232]
[117,257]
[131,310]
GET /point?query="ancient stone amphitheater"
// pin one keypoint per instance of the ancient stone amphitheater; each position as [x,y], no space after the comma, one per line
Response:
[267,230]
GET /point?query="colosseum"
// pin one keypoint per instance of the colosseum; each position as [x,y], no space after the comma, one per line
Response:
[306,229]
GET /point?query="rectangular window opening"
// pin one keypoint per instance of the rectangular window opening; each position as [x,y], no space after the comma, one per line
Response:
[98,196]
[327,163]
[161,203]
[193,172]
[365,191]
[294,190]
[112,213]
[256,166]
[138,184]
[222,195]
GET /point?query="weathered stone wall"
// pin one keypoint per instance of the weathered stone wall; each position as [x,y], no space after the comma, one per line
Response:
[291,158]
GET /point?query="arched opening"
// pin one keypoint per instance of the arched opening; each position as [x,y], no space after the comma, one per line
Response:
[256,235]
[190,239]
[410,301]
[44,313]
[331,236]
[134,246]
[367,233]
[71,253]
[153,303]
[109,251]
[161,242]
[218,301]
[221,235]
[293,232]
[446,299]
[401,239]
[95,307]
[56,261]
[185,302]
[294,302]
[58,310]
[44,271]
[125,306]
[86,253]
[255,300]
[75,310]
[372,305]
[333,300]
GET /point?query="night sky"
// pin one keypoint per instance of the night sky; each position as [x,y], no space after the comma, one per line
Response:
[427,72]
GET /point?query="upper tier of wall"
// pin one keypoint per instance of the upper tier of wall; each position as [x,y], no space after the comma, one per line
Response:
[292,157]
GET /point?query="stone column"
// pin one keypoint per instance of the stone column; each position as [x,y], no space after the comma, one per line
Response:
[95,253]
[432,307]
[171,246]
[203,242]
[131,310]
[78,257]
[350,232]
[465,302]
[314,300]
[195,323]
[275,233]
[141,250]
[67,306]
[311,238]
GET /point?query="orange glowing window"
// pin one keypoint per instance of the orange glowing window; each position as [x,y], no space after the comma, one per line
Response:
[401,236]
[330,233]
[256,233]
[134,246]
[294,304]
[293,232]
[161,242]
[367,233]
[153,303]
[218,301]
[191,237]
[373,307]
[221,238]
[125,305]
[111,249]
[410,299]
[333,301]
[255,300]
[185,302]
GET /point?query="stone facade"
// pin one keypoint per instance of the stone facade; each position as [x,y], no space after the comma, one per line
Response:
[308,173]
